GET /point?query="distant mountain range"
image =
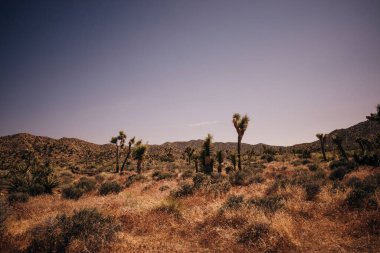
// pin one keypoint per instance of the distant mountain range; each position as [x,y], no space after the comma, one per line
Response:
[75,152]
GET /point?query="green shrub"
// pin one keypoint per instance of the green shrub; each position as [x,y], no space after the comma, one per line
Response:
[109,187]
[343,164]
[312,191]
[245,177]
[338,174]
[18,197]
[358,198]
[91,228]
[268,157]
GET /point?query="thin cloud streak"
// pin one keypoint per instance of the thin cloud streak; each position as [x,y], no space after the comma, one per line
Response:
[204,123]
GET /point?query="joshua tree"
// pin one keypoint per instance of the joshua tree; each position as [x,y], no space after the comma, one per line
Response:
[195,158]
[189,152]
[360,141]
[233,158]
[220,158]
[337,140]
[240,124]
[139,153]
[207,155]
[119,142]
[125,163]
[322,139]
[375,116]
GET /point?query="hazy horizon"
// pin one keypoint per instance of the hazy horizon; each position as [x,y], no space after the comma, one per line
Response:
[177,70]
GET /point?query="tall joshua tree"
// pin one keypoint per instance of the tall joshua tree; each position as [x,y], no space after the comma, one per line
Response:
[220,158]
[189,152]
[322,139]
[119,142]
[375,116]
[240,124]
[129,151]
[207,155]
[139,153]
[337,140]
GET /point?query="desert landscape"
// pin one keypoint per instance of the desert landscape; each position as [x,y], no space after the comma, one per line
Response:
[199,126]
[69,195]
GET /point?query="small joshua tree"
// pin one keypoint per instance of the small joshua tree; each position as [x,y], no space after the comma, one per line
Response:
[322,139]
[139,153]
[207,155]
[240,124]
[220,158]
[189,152]
[375,116]
[195,158]
[233,158]
[125,163]
[337,140]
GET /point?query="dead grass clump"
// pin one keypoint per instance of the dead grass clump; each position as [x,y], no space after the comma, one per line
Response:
[85,231]
[161,175]
[234,202]
[271,203]
[18,197]
[187,174]
[170,207]
[245,177]
[262,238]
[224,220]
[183,191]
[312,190]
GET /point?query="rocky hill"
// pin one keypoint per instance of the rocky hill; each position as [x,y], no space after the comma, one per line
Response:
[74,152]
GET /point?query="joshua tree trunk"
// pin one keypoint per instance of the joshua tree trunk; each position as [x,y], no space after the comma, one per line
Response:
[342,152]
[126,159]
[139,162]
[220,168]
[117,159]
[238,150]
[323,150]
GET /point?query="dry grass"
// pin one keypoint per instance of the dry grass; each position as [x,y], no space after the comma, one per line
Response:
[151,221]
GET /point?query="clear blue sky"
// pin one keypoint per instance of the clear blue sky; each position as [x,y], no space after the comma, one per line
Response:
[177,70]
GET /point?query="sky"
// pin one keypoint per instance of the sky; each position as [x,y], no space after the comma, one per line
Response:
[178,70]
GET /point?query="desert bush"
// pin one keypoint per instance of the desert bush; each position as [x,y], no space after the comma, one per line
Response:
[261,238]
[134,178]
[72,192]
[312,190]
[164,188]
[99,178]
[338,174]
[268,157]
[187,174]
[161,175]
[269,203]
[217,186]
[245,177]
[18,197]
[372,159]
[109,187]
[170,207]
[313,167]
[199,180]
[306,154]
[34,181]
[358,198]
[345,164]
[92,229]
[86,184]
[234,202]
[3,216]
[183,191]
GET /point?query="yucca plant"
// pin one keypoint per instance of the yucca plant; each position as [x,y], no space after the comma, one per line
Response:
[139,153]
[207,155]
[220,158]
[189,152]
[337,140]
[240,124]
[129,151]
[322,139]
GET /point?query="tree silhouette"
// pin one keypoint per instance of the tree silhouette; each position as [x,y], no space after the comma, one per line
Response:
[240,124]
[129,151]
[139,153]
[220,158]
[207,155]
[322,139]
[337,140]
